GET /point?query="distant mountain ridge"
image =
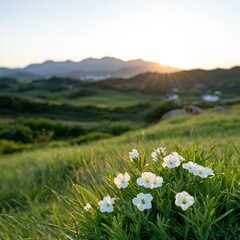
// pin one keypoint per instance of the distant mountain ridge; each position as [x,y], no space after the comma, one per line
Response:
[90,68]
[197,80]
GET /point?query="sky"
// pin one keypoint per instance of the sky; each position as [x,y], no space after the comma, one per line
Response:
[180,33]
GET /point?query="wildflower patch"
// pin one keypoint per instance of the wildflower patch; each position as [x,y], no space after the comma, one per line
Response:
[162,195]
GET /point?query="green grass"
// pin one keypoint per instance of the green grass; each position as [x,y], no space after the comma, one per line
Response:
[108,100]
[214,214]
[28,206]
[81,93]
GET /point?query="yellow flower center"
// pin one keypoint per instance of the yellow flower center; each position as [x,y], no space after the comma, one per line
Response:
[147,179]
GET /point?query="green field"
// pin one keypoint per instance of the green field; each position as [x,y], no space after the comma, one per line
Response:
[61,138]
[31,209]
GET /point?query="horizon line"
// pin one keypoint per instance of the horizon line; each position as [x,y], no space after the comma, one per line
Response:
[124,60]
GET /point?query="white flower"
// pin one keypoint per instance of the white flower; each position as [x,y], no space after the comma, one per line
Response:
[202,171]
[106,205]
[143,201]
[149,180]
[198,170]
[146,180]
[180,158]
[171,161]
[133,154]
[157,153]
[87,207]
[184,200]
[209,172]
[190,166]
[157,182]
[122,180]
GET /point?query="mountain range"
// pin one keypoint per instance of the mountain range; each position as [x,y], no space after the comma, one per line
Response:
[195,81]
[91,68]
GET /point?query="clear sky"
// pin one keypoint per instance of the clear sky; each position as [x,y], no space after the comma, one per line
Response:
[180,33]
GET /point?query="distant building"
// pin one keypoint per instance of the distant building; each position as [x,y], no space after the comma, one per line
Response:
[173,97]
[210,98]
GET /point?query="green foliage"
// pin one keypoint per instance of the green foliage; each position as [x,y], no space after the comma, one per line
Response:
[16,132]
[30,130]
[156,111]
[115,128]
[213,214]
[16,106]
[29,209]
[89,138]
[37,197]
[27,130]
[60,130]
[82,93]
[7,147]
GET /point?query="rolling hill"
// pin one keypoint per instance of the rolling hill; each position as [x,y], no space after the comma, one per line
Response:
[184,81]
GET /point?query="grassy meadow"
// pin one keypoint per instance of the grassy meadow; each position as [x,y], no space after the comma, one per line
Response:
[39,200]
[63,141]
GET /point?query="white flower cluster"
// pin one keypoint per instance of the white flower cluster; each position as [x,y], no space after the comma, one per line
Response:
[150,180]
[158,153]
[142,201]
[198,170]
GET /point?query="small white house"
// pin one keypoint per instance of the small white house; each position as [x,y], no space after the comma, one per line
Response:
[173,97]
[210,98]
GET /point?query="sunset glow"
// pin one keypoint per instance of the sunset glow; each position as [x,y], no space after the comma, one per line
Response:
[184,34]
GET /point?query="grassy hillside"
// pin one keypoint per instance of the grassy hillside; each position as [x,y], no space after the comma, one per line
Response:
[22,106]
[191,83]
[188,82]
[60,132]
[29,207]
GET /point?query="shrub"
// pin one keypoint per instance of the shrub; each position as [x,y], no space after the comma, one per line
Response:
[82,93]
[89,138]
[7,147]
[156,111]
[17,132]
[44,136]
[60,130]
[114,128]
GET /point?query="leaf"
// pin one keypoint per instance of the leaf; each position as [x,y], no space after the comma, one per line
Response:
[221,217]
[88,193]
[188,219]
[236,148]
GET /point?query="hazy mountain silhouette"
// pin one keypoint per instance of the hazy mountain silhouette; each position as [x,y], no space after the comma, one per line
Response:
[90,68]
